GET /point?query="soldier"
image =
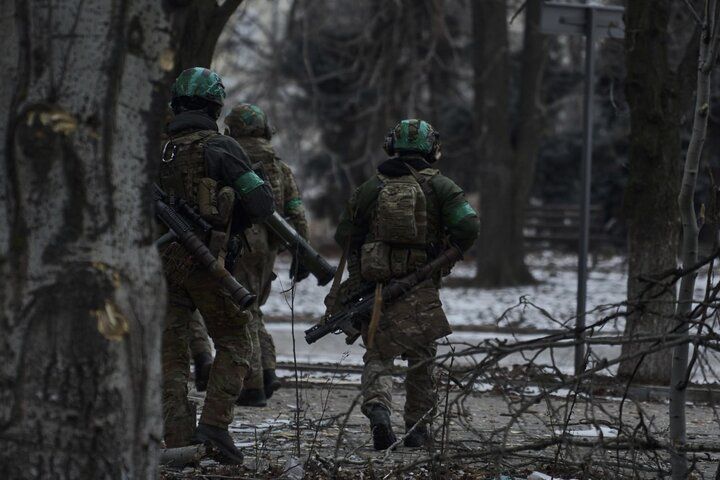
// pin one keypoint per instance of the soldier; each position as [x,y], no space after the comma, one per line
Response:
[248,125]
[394,223]
[211,173]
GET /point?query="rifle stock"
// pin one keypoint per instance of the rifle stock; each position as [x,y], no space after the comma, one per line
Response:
[350,319]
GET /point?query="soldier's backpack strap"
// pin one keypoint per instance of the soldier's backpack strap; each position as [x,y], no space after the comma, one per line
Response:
[423,181]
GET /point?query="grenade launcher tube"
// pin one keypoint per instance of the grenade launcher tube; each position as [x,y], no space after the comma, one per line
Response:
[202,254]
[297,245]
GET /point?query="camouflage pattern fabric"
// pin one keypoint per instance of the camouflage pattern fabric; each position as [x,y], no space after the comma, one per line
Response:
[256,273]
[247,120]
[227,325]
[199,340]
[268,357]
[410,326]
[420,384]
[199,82]
[413,135]
[255,269]
[407,328]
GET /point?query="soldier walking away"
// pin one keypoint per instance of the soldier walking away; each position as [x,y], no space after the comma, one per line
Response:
[248,124]
[396,222]
[211,173]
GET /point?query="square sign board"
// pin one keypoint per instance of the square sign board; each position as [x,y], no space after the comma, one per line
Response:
[572,18]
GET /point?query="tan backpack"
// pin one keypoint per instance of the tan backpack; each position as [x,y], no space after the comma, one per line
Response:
[398,234]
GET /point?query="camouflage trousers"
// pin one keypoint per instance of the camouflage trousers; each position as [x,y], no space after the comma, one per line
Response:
[227,325]
[408,329]
[255,272]
[199,339]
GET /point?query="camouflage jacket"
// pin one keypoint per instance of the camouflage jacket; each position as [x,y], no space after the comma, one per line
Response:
[280,177]
[447,207]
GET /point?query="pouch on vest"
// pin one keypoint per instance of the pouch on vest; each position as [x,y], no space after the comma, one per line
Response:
[401,212]
[406,260]
[375,262]
[215,206]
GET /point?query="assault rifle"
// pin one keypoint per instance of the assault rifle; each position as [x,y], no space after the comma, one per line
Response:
[178,216]
[297,245]
[350,320]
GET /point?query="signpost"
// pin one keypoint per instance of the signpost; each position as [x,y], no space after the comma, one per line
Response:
[596,22]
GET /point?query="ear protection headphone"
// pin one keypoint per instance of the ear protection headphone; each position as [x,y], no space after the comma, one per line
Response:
[389,144]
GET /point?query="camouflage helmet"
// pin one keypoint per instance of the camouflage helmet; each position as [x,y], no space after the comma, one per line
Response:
[413,136]
[199,82]
[248,120]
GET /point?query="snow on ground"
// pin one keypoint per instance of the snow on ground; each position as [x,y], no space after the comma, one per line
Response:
[555,293]
[554,297]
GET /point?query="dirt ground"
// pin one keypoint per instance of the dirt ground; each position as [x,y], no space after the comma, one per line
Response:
[491,434]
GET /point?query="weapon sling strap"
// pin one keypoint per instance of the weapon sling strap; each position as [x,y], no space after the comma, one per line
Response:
[422,181]
[375,317]
[338,274]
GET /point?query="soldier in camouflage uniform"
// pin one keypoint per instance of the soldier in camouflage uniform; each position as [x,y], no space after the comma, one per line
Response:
[248,125]
[394,223]
[212,173]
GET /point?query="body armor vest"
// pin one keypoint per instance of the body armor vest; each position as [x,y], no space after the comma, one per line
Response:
[184,166]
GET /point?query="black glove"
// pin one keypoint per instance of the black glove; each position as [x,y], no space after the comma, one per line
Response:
[298,272]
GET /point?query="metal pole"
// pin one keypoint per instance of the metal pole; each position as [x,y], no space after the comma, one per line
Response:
[586,170]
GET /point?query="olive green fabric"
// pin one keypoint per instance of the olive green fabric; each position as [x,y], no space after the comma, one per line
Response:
[199,340]
[227,326]
[448,199]
[185,167]
[409,326]
[256,273]
[420,383]
[255,268]
[281,179]
[248,120]
[199,82]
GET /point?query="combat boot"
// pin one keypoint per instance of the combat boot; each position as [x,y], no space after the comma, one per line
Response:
[271,382]
[219,439]
[251,397]
[203,363]
[382,433]
[417,438]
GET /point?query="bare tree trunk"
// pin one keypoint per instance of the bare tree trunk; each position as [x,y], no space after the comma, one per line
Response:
[650,197]
[80,313]
[197,29]
[506,167]
[689,252]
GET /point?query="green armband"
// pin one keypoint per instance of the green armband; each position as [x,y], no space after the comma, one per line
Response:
[459,212]
[247,182]
[293,204]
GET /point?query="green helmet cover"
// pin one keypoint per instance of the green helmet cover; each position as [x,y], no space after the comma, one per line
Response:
[248,120]
[199,82]
[414,136]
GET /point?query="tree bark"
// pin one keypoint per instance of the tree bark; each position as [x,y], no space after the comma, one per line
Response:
[690,231]
[80,312]
[650,198]
[506,165]
[198,24]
